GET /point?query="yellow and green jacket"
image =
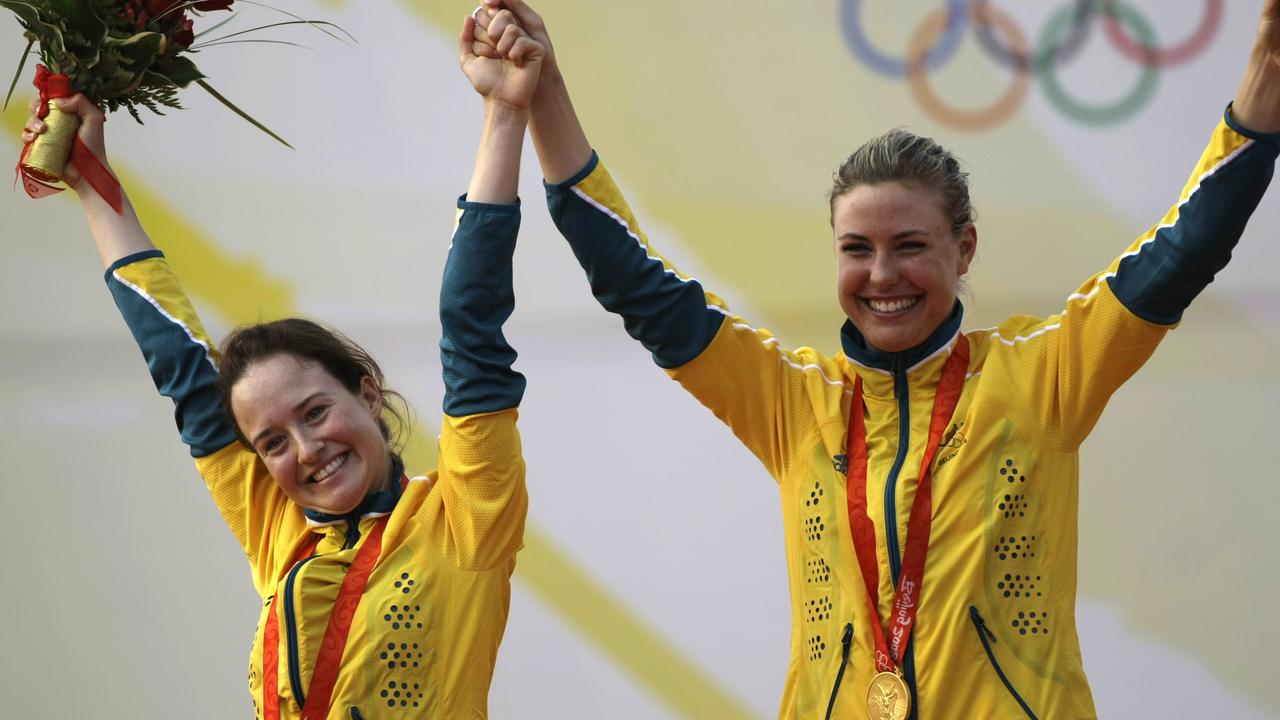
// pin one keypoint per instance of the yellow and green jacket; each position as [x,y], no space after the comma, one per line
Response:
[995,634]
[425,635]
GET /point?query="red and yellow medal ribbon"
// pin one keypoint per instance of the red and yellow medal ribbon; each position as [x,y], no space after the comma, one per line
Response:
[891,647]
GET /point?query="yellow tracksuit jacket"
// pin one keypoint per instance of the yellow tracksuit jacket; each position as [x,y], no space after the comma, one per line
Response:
[995,634]
[425,635]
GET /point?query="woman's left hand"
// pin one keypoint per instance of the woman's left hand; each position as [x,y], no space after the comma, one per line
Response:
[1257,102]
[510,79]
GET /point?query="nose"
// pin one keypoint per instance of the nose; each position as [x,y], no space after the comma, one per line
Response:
[884,271]
[310,448]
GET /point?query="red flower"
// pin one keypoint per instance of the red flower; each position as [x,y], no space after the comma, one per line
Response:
[158,7]
[155,8]
[185,36]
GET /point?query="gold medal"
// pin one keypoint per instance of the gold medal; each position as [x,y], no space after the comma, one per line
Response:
[888,697]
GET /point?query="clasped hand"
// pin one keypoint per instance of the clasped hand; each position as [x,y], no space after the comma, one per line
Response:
[500,59]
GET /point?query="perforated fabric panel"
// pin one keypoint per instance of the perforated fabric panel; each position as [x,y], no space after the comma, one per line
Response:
[481,479]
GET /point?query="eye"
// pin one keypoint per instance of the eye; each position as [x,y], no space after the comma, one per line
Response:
[272,444]
[856,248]
[911,246]
[315,412]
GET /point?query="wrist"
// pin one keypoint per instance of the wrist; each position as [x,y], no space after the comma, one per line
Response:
[1259,93]
[499,113]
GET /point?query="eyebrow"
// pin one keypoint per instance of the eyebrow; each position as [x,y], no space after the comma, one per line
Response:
[899,236]
[296,408]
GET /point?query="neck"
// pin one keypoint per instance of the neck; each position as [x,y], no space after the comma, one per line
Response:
[857,348]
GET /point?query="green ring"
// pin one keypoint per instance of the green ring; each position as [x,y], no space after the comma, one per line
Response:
[1127,106]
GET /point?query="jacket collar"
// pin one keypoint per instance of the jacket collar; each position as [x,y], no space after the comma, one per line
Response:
[379,502]
[859,351]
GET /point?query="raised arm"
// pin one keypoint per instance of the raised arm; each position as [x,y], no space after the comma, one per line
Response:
[1112,323]
[180,356]
[740,373]
[481,468]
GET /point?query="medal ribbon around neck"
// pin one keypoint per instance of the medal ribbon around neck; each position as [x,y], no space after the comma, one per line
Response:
[891,648]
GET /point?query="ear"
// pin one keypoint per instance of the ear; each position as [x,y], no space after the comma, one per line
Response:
[370,396]
[968,239]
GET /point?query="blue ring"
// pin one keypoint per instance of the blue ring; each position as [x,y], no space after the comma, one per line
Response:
[957,14]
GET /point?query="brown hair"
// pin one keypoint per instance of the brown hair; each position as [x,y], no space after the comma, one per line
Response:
[902,156]
[342,358]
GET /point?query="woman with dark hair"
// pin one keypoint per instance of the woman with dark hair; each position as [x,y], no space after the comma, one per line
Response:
[918,442]
[379,592]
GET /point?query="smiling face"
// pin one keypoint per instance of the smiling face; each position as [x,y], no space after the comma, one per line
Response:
[321,443]
[898,263]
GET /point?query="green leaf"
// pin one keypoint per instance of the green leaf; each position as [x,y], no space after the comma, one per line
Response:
[140,49]
[317,24]
[21,64]
[179,71]
[49,36]
[80,16]
[215,43]
[314,23]
[208,30]
[29,14]
[231,106]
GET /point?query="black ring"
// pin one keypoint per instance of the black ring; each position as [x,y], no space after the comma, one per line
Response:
[1023,62]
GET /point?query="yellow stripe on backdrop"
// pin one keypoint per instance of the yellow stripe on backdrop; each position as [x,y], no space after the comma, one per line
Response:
[241,291]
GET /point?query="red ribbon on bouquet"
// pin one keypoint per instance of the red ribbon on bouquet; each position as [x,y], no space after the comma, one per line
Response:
[56,85]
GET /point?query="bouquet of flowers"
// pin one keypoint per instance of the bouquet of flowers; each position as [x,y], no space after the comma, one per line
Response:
[120,54]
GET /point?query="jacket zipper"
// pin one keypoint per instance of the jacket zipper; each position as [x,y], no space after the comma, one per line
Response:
[891,484]
[291,633]
[845,641]
[987,637]
[901,394]
[290,618]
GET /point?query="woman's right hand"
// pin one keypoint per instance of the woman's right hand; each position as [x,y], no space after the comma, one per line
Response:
[515,10]
[510,77]
[90,133]
[562,144]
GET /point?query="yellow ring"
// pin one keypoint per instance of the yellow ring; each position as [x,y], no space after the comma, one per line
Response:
[973,120]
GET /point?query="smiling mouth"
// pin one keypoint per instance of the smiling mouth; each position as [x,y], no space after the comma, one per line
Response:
[891,306]
[334,465]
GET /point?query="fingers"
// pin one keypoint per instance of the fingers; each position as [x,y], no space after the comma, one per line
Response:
[80,105]
[76,104]
[35,125]
[525,14]
[466,40]
[525,50]
[483,16]
[485,50]
[499,24]
[510,35]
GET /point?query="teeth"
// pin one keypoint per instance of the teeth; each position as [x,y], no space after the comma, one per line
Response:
[891,305]
[331,468]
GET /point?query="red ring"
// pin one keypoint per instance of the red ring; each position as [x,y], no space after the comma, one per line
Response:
[1170,56]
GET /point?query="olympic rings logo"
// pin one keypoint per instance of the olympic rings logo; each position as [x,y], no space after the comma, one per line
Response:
[938,37]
